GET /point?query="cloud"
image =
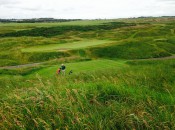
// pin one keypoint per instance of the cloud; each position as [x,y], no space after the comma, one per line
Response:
[87,9]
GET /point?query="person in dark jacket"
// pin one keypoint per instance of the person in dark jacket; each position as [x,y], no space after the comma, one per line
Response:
[63,68]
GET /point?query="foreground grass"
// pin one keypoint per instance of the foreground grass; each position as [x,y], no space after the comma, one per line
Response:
[137,97]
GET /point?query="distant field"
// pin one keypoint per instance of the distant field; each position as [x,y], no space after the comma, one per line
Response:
[66,46]
[12,27]
[45,24]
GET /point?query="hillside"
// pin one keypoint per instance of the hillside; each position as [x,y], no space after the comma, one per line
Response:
[123,74]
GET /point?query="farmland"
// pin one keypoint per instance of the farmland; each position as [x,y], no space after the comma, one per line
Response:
[122,78]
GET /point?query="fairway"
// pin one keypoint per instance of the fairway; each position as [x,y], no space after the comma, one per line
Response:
[86,66]
[66,46]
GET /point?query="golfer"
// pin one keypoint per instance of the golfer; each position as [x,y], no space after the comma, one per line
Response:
[63,68]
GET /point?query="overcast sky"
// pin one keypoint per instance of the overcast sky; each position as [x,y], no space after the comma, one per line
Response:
[85,9]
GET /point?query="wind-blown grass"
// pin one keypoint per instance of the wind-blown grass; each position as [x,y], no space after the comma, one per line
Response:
[130,98]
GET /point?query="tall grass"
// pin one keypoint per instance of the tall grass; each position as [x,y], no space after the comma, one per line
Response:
[136,97]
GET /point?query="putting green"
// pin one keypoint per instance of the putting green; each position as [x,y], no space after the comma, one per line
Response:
[66,46]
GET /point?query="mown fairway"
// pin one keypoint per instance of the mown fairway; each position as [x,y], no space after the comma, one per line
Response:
[117,82]
[66,46]
[82,67]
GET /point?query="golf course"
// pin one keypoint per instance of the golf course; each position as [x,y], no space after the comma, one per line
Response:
[122,75]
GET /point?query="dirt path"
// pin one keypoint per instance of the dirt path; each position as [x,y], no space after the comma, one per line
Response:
[21,66]
[36,64]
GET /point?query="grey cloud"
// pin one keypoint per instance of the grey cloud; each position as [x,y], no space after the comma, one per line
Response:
[166,1]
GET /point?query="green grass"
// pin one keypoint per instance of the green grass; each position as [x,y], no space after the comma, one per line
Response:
[101,93]
[66,46]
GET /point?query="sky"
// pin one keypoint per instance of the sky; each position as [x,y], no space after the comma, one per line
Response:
[85,9]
